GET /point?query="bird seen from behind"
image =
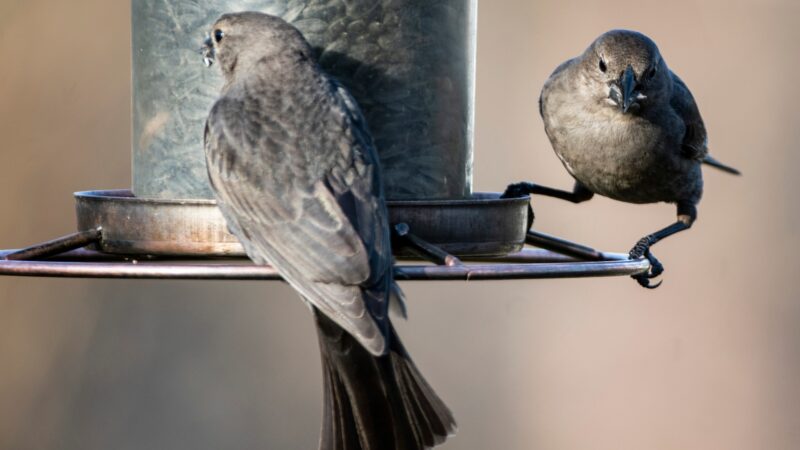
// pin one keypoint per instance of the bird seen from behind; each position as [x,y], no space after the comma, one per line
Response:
[296,176]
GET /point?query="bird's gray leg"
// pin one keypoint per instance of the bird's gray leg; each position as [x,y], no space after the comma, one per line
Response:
[687,214]
[579,194]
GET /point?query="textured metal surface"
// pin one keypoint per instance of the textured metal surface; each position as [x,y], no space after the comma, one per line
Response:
[409,63]
[483,225]
[527,265]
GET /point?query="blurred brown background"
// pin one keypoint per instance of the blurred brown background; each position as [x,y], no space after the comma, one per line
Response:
[709,361]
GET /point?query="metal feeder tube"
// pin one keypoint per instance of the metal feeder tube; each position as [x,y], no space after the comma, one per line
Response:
[410,64]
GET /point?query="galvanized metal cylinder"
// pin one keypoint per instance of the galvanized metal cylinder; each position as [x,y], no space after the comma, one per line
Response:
[409,63]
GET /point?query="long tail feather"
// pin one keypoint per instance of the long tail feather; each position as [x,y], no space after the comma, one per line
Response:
[376,403]
[723,167]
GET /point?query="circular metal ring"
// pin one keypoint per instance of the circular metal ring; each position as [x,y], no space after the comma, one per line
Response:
[528,264]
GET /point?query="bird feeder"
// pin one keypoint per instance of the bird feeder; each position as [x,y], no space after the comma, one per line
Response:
[410,64]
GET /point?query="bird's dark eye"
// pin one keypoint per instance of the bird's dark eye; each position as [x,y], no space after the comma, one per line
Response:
[218,35]
[652,72]
[603,67]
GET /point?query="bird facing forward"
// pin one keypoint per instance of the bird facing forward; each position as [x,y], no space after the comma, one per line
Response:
[626,127]
[296,176]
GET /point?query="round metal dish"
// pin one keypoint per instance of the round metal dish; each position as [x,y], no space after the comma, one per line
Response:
[141,226]
[484,225]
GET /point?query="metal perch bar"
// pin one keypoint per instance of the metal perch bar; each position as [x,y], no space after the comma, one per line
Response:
[563,246]
[423,248]
[189,271]
[57,246]
[63,258]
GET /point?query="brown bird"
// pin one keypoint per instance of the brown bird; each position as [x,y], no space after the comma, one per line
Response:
[296,176]
[626,127]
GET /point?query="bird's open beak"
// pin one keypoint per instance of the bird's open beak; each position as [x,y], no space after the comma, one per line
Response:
[208,52]
[624,92]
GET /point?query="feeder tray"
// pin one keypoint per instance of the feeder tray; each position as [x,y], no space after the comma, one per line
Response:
[126,237]
[484,225]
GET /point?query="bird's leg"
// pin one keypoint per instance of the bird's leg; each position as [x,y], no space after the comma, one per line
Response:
[579,194]
[687,213]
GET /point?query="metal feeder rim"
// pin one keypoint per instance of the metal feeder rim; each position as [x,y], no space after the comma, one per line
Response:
[181,228]
[477,198]
[127,195]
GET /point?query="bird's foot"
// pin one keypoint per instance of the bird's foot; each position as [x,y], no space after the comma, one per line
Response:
[656,269]
[517,190]
[642,249]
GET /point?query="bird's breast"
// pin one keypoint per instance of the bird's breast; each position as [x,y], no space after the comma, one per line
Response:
[621,156]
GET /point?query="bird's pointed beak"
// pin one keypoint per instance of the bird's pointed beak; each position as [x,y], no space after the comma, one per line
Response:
[208,52]
[627,85]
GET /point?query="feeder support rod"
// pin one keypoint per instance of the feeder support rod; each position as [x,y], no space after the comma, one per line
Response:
[57,246]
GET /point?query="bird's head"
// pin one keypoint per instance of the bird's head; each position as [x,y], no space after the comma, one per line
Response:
[625,70]
[238,41]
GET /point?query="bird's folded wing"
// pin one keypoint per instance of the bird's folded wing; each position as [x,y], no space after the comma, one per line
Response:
[328,237]
[553,78]
[695,139]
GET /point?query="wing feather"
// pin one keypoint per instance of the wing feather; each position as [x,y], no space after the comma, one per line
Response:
[695,138]
[308,202]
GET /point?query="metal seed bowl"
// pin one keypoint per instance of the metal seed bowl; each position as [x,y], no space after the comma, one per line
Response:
[484,225]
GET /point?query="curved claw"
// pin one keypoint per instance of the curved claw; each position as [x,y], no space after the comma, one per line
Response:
[656,268]
[644,281]
[642,249]
[516,190]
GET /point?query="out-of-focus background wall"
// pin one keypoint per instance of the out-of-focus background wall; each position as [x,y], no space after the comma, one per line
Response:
[711,360]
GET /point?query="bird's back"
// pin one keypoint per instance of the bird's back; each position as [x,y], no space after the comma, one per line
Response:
[297,178]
